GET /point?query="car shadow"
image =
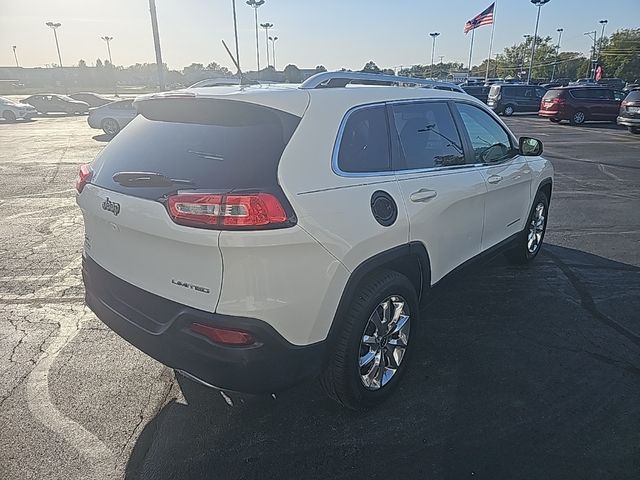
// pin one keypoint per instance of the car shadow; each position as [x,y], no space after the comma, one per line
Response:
[15,122]
[103,137]
[516,372]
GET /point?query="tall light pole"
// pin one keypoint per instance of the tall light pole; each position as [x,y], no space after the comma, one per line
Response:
[539,4]
[593,36]
[266,27]
[54,27]
[273,42]
[235,33]
[156,43]
[553,72]
[255,4]
[433,35]
[108,39]
[524,52]
[604,24]
[15,55]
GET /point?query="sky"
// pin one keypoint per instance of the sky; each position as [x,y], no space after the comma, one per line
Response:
[333,33]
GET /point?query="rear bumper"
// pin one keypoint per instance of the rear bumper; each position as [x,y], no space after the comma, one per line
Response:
[160,328]
[629,122]
[551,114]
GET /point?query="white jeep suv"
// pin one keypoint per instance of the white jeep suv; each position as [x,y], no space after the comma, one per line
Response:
[253,237]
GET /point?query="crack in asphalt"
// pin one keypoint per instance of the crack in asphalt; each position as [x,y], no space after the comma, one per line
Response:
[587,302]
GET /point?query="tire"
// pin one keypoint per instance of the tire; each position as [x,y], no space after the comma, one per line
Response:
[524,251]
[110,126]
[357,340]
[508,110]
[554,120]
[578,118]
[9,116]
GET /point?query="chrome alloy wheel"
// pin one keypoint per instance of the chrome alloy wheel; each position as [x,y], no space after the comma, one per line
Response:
[536,229]
[384,342]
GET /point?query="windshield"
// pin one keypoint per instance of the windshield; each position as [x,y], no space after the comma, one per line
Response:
[6,101]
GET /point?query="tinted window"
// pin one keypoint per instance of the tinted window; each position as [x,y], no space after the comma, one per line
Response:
[540,92]
[364,146]
[123,105]
[509,91]
[633,96]
[579,93]
[553,94]
[494,91]
[529,92]
[491,143]
[428,136]
[599,94]
[211,145]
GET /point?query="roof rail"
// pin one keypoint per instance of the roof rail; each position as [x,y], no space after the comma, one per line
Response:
[342,79]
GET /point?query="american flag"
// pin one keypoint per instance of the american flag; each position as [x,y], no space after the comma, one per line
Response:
[484,18]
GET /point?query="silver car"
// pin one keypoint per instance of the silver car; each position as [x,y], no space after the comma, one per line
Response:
[112,117]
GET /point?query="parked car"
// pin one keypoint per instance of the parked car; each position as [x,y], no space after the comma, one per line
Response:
[629,115]
[216,82]
[507,99]
[11,110]
[613,83]
[478,91]
[112,117]
[56,104]
[631,86]
[580,104]
[91,99]
[330,244]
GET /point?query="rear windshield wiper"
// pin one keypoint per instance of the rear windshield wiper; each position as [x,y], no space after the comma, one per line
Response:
[147,179]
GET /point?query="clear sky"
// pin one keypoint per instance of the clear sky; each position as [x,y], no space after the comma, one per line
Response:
[335,33]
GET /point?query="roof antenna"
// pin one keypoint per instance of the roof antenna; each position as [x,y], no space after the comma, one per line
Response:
[235,62]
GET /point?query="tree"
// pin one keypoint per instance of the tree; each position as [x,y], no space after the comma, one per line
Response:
[371,67]
[219,70]
[82,63]
[514,60]
[320,69]
[620,55]
[292,74]
[98,63]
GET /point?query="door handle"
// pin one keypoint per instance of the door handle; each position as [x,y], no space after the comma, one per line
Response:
[493,179]
[423,195]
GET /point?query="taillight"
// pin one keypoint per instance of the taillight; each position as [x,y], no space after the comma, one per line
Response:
[625,103]
[229,211]
[223,336]
[84,177]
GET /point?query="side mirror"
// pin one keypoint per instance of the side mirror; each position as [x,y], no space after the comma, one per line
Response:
[530,147]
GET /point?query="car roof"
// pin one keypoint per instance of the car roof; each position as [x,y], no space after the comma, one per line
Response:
[292,99]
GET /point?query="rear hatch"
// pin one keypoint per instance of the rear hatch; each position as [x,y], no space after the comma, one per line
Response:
[494,93]
[551,100]
[186,145]
[630,107]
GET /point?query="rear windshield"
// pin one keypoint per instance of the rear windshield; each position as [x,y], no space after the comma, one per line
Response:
[633,96]
[553,94]
[494,91]
[189,144]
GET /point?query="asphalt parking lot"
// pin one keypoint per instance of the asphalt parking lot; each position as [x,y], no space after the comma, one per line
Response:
[522,372]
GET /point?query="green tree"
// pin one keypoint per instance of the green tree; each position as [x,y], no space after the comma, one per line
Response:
[620,54]
[292,74]
[371,67]
[82,63]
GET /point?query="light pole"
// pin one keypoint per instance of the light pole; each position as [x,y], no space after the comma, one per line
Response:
[604,24]
[441,57]
[593,36]
[108,39]
[54,27]
[15,55]
[273,42]
[539,4]
[156,43]
[255,4]
[524,53]
[553,72]
[235,33]
[433,35]
[266,27]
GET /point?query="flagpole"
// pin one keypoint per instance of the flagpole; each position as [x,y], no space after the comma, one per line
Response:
[493,29]
[473,33]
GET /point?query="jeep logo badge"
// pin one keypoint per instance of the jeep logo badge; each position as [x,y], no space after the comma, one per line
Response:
[110,206]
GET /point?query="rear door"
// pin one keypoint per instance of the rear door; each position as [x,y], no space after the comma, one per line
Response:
[443,194]
[507,174]
[177,145]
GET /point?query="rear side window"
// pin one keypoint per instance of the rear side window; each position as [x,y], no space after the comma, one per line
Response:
[428,136]
[364,145]
[580,93]
[195,144]
[490,142]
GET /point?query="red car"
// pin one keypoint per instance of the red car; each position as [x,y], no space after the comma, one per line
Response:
[580,104]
